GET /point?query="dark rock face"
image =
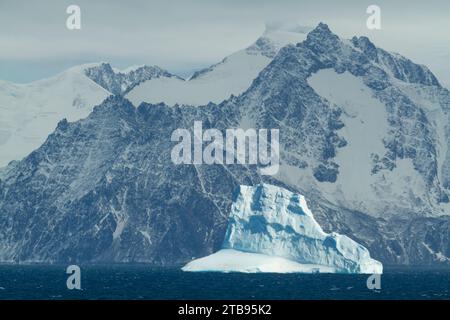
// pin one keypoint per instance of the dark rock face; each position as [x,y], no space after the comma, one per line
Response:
[105,189]
[119,83]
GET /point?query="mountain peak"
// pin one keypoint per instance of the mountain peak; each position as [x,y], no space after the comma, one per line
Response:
[322,29]
[322,39]
[120,82]
[399,66]
[322,34]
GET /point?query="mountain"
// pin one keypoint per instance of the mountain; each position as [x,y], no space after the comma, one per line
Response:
[364,128]
[106,190]
[271,229]
[363,136]
[232,76]
[119,82]
[30,112]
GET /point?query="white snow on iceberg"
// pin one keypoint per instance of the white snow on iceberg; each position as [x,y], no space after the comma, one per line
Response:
[271,229]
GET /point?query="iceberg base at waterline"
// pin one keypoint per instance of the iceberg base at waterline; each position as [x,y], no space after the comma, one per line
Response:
[230,260]
[271,229]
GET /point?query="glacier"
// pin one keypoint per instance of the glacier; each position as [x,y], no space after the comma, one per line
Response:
[271,229]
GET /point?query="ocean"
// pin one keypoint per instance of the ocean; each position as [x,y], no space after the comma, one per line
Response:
[138,282]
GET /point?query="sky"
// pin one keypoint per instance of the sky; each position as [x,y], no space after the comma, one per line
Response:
[185,35]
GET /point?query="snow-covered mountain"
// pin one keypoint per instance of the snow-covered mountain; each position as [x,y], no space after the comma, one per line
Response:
[271,229]
[355,129]
[232,76]
[363,135]
[30,112]
[120,82]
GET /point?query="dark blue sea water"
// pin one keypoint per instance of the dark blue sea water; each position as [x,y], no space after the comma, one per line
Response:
[144,282]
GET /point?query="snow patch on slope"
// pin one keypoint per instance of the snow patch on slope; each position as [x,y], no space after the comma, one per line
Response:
[365,121]
[428,98]
[365,128]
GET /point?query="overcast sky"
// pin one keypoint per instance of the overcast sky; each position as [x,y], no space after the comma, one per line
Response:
[185,35]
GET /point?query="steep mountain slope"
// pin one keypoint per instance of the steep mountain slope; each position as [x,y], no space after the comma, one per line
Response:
[112,193]
[232,76]
[362,141]
[30,112]
[105,189]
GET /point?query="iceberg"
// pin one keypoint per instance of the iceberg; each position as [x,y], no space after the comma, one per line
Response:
[271,229]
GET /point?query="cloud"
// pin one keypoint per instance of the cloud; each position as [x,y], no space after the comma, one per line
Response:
[186,34]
